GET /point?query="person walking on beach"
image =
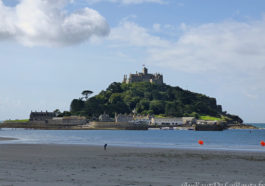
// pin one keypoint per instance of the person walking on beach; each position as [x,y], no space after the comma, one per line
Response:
[105,146]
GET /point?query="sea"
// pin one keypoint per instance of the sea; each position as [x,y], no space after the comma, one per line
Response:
[258,125]
[234,139]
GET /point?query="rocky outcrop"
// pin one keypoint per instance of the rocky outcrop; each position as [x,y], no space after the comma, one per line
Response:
[241,126]
[209,127]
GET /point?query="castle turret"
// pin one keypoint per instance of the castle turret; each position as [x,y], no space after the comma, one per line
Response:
[145,71]
[124,79]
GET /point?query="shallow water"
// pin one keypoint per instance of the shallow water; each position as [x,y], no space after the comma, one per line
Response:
[247,140]
[259,125]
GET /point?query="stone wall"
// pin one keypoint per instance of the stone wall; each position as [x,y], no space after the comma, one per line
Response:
[118,125]
[64,121]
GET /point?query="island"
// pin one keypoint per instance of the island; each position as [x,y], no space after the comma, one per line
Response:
[141,101]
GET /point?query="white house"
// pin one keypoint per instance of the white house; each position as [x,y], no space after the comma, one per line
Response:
[142,119]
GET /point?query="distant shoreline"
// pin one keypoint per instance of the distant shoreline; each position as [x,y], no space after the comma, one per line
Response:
[107,126]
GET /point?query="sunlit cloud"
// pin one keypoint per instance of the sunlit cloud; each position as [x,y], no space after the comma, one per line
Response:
[47,23]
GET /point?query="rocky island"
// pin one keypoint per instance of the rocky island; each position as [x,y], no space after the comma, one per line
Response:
[140,101]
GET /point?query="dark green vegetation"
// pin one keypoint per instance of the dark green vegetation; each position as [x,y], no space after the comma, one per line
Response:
[87,93]
[147,98]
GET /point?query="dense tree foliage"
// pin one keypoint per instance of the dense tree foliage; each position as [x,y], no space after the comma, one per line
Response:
[148,98]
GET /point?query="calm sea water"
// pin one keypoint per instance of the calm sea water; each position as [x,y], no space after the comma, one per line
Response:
[248,140]
[259,125]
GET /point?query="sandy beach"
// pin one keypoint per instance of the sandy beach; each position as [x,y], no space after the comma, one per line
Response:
[90,165]
[4,139]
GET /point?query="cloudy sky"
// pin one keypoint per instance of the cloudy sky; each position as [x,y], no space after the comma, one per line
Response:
[52,50]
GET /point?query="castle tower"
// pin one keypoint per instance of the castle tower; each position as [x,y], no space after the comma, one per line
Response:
[124,79]
[145,71]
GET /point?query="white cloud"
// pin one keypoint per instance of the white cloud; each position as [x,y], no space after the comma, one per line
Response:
[232,51]
[157,27]
[129,33]
[220,47]
[126,2]
[45,22]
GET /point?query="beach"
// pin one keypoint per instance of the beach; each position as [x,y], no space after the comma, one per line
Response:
[5,139]
[28,164]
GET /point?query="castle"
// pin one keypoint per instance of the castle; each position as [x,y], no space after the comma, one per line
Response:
[39,116]
[144,77]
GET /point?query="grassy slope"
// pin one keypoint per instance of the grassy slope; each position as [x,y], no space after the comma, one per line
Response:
[16,121]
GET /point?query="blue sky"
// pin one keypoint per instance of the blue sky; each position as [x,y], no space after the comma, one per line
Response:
[50,52]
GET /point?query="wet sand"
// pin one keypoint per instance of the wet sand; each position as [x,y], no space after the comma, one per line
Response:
[30,165]
[5,139]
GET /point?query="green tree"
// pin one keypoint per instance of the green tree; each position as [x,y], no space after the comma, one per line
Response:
[93,107]
[57,112]
[157,107]
[66,113]
[170,109]
[87,93]
[77,105]
[115,87]
[114,98]
[142,106]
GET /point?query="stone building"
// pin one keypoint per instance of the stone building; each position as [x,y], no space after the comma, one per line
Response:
[189,120]
[142,119]
[123,118]
[41,116]
[143,77]
[105,118]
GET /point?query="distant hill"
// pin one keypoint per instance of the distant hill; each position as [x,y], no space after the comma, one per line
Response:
[150,98]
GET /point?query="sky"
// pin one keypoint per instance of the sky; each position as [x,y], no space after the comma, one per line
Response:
[50,51]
